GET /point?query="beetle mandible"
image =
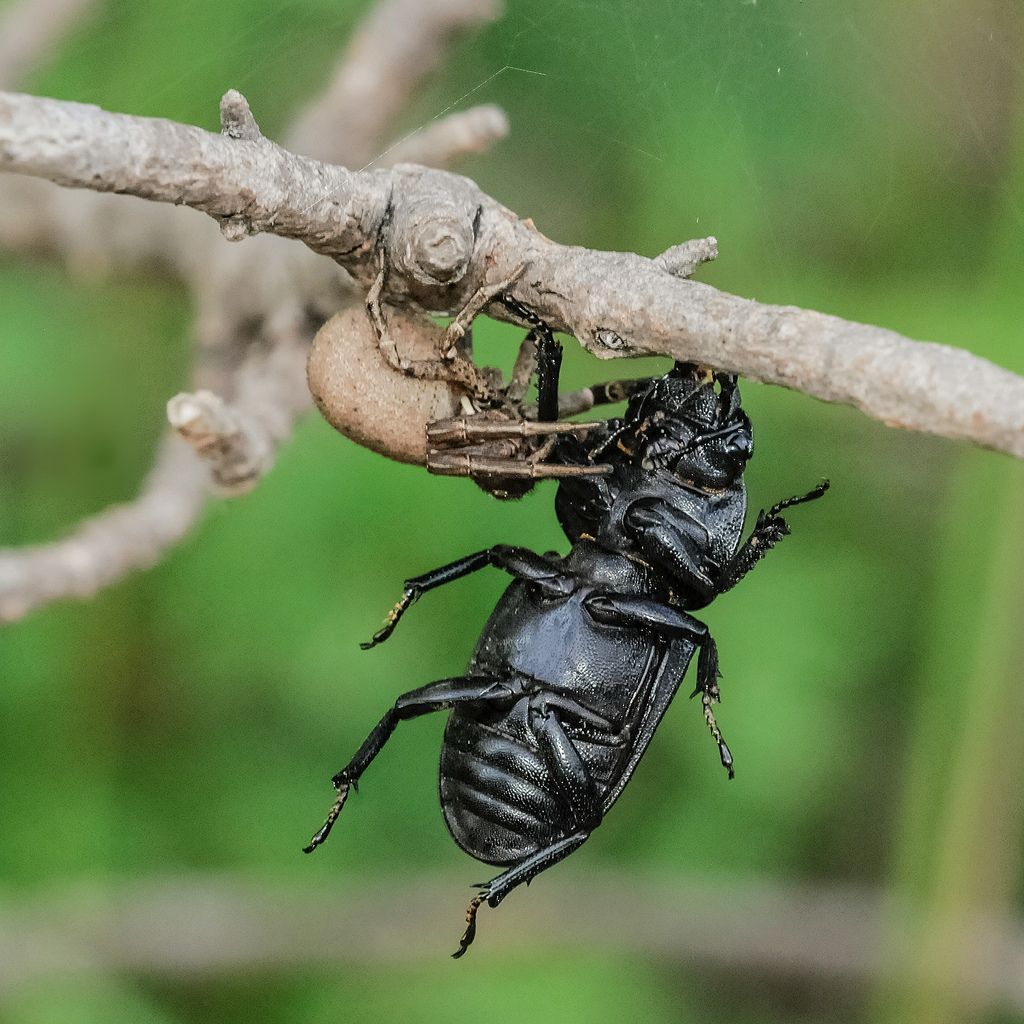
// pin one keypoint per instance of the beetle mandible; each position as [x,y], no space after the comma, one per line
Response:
[583,654]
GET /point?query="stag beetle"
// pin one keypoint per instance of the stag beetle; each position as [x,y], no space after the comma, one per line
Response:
[583,654]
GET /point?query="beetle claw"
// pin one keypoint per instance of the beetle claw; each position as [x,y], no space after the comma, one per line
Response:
[470,933]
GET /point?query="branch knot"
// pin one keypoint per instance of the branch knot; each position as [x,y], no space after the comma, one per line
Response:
[236,118]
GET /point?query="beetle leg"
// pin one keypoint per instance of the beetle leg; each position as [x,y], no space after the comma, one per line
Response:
[519,562]
[769,529]
[572,783]
[525,871]
[570,777]
[549,363]
[548,356]
[579,722]
[672,541]
[631,612]
[445,693]
[724,752]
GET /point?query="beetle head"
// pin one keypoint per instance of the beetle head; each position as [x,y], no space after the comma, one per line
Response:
[690,423]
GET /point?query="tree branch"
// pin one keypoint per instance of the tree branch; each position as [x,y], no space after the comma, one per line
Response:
[238,439]
[258,303]
[95,234]
[443,239]
[442,143]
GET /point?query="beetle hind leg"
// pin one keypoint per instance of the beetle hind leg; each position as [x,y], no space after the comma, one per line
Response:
[574,788]
[707,686]
[494,891]
[470,933]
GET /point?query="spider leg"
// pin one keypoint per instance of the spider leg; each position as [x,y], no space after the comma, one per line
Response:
[474,464]
[463,320]
[467,429]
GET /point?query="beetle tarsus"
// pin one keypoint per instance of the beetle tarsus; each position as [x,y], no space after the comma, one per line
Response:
[470,933]
[320,837]
[726,754]
[723,748]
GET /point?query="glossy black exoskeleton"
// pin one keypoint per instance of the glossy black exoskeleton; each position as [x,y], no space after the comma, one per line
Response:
[584,653]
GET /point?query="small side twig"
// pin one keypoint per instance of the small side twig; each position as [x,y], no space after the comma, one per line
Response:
[443,142]
[684,259]
[238,438]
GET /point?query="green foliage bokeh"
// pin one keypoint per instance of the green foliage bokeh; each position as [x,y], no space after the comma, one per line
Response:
[865,159]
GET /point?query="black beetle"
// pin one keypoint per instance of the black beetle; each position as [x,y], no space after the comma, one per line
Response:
[584,653]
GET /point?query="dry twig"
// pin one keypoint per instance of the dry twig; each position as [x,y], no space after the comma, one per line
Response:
[397,46]
[106,547]
[443,142]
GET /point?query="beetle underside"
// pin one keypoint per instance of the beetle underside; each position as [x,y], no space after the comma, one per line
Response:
[584,653]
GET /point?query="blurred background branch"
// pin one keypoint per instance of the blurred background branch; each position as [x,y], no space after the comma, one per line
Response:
[29,33]
[183,927]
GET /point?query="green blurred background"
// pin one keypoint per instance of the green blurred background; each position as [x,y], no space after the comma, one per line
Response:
[172,740]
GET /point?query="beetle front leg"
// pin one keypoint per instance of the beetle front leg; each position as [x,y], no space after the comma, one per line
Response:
[769,529]
[570,777]
[673,542]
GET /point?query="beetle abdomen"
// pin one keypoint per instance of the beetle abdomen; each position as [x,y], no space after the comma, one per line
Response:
[495,789]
